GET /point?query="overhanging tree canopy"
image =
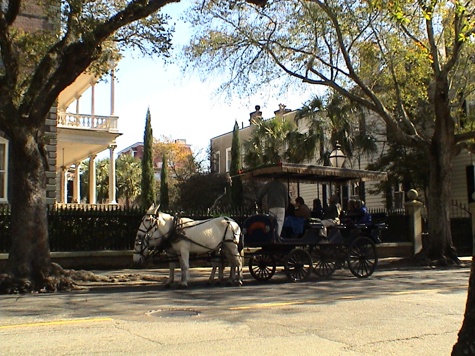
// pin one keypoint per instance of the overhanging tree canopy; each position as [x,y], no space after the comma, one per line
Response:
[398,59]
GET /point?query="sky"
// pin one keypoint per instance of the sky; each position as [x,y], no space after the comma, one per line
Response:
[181,105]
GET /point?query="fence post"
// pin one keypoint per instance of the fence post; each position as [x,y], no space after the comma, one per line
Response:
[413,208]
[472,211]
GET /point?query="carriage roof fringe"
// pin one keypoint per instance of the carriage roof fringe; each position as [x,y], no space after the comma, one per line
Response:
[306,173]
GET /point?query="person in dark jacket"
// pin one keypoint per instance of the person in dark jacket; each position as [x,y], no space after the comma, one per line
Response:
[317,211]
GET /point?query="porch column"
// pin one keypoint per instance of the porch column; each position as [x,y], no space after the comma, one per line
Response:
[77,104]
[63,189]
[112,197]
[76,185]
[93,104]
[415,220]
[92,179]
[112,91]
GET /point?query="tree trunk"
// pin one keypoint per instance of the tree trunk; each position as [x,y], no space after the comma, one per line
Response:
[29,261]
[441,154]
[440,242]
[466,341]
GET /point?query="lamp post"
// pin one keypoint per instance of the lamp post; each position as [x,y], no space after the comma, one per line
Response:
[337,157]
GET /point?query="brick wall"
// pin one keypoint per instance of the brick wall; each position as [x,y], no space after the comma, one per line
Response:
[32,17]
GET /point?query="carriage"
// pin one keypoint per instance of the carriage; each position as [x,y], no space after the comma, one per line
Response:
[350,244]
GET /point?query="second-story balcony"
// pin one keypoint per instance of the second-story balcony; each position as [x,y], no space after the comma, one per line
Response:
[87,121]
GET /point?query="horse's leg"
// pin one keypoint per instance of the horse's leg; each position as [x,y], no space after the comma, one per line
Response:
[214,266]
[185,267]
[235,260]
[171,274]
[221,267]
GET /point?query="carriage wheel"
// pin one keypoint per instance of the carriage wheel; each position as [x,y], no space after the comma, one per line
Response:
[324,260]
[298,265]
[262,266]
[361,257]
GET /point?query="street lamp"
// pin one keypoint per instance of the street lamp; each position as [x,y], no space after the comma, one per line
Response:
[337,157]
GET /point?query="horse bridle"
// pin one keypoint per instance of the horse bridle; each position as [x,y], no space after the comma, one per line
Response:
[147,234]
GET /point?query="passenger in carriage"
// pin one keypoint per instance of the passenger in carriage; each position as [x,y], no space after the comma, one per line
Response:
[357,213]
[290,211]
[296,223]
[331,214]
[317,211]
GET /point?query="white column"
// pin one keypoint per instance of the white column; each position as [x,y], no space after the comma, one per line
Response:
[63,197]
[112,92]
[112,197]
[93,104]
[76,185]
[92,179]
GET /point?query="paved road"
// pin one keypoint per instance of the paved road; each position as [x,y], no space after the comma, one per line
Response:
[394,312]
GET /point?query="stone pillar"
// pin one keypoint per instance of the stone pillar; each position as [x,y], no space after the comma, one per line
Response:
[92,180]
[472,211]
[413,207]
[112,197]
[77,184]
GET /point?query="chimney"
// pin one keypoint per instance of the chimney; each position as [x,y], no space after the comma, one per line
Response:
[255,116]
[282,111]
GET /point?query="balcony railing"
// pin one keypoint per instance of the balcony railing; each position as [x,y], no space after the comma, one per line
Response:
[87,121]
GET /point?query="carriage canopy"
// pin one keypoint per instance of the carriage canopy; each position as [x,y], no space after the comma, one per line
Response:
[306,173]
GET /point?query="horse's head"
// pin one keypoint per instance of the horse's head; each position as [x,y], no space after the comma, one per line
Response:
[144,234]
[150,234]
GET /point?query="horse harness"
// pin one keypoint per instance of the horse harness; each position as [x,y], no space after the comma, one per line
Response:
[178,232]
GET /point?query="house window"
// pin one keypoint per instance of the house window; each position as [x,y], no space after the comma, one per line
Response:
[228,159]
[3,169]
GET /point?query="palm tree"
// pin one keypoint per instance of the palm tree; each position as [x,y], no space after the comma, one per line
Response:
[347,125]
[129,174]
[277,140]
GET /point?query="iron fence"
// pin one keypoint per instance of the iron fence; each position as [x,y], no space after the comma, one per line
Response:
[96,228]
[83,228]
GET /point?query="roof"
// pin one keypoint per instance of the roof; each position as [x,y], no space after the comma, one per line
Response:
[311,173]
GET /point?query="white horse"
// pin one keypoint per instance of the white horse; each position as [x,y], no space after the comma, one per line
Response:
[180,237]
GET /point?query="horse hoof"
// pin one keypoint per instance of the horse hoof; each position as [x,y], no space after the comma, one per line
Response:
[182,286]
[167,285]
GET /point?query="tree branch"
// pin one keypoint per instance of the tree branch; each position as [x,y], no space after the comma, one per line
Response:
[62,64]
